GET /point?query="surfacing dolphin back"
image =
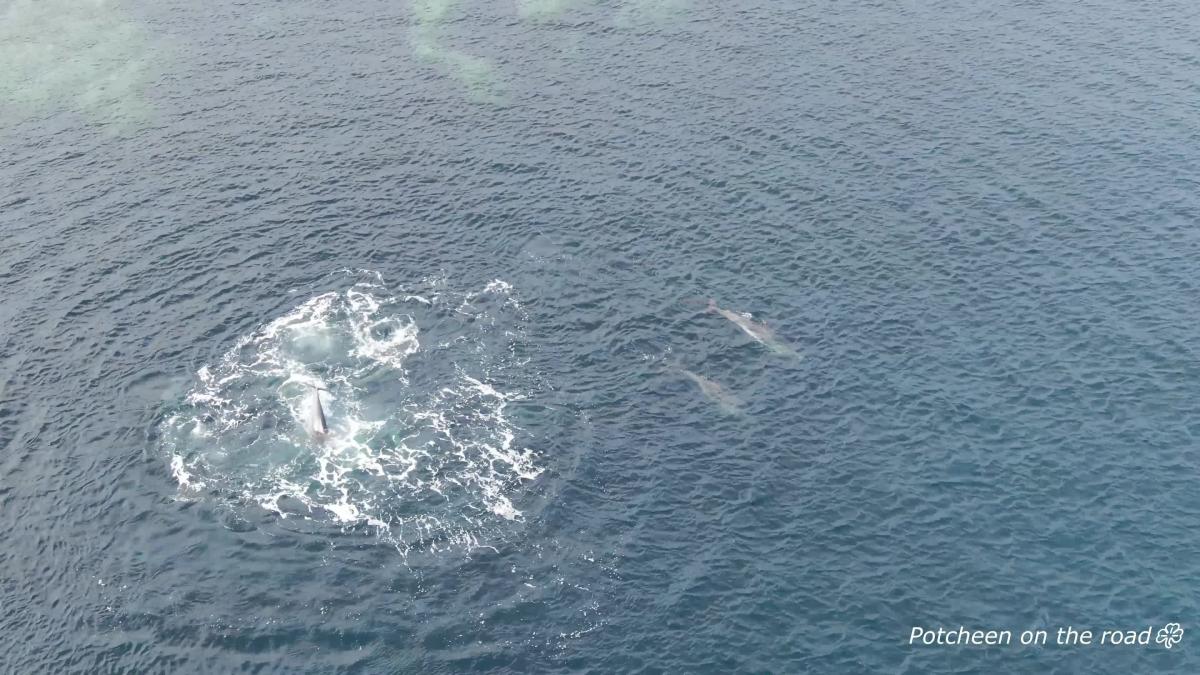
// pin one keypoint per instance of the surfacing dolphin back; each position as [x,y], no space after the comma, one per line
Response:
[760,332]
[317,425]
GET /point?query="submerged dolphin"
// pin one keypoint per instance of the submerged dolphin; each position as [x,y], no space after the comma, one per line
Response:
[727,402]
[316,415]
[761,332]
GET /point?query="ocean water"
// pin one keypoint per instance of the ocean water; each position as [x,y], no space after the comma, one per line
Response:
[490,231]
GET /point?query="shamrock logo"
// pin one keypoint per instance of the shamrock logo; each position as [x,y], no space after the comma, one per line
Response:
[1169,635]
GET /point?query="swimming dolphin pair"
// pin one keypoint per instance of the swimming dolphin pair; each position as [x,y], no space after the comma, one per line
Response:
[760,332]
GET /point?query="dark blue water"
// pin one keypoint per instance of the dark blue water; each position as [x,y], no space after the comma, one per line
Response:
[490,230]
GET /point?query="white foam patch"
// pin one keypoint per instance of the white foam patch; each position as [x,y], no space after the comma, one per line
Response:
[420,444]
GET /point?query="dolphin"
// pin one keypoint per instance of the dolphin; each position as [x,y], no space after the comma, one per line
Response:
[317,425]
[760,332]
[727,402]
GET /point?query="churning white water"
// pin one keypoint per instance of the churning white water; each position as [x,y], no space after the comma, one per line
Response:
[416,390]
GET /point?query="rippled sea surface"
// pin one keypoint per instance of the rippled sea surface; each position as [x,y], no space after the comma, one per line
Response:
[489,232]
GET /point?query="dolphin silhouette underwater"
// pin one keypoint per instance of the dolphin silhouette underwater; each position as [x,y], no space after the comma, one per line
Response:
[713,391]
[315,417]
